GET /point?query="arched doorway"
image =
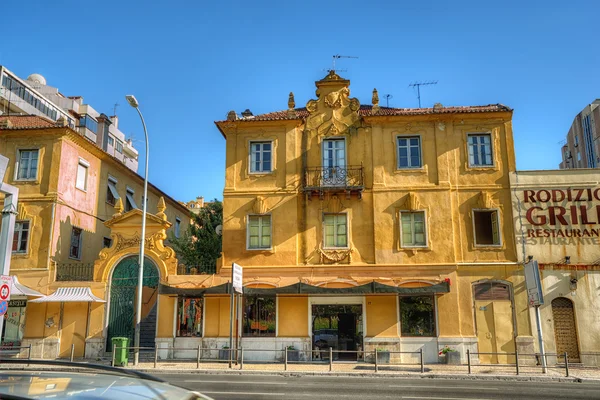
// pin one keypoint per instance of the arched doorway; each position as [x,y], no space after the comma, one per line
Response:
[123,290]
[565,330]
[494,321]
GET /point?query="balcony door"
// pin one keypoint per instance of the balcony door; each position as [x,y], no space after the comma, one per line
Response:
[334,162]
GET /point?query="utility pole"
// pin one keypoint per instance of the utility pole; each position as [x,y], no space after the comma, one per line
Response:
[418,86]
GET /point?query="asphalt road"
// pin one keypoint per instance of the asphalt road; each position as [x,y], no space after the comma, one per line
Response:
[273,387]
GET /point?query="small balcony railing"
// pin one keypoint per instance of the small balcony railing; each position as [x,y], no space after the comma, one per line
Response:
[185,270]
[79,272]
[348,179]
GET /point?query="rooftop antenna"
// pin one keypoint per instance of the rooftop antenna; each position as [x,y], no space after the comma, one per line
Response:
[387,99]
[418,86]
[115,108]
[337,57]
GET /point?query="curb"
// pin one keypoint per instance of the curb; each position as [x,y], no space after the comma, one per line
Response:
[291,374]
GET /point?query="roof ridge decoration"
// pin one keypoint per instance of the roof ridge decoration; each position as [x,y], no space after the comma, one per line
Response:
[334,112]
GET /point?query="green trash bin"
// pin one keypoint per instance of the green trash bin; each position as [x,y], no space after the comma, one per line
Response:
[121,352]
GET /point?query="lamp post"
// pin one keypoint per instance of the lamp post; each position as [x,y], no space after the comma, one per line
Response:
[138,316]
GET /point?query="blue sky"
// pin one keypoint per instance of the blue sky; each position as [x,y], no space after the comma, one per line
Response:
[189,62]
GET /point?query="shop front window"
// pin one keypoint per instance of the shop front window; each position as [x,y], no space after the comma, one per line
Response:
[417,316]
[14,324]
[259,316]
[189,317]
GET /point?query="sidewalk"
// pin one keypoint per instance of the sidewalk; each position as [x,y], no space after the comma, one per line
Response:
[500,372]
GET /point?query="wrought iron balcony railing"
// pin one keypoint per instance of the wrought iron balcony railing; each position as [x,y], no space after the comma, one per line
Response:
[334,178]
[185,270]
[79,272]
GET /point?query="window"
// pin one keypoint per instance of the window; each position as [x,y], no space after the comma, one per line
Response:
[119,146]
[412,228]
[259,231]
[89,123]
[75,248]
[106,242]
[487,231]
[260,157]
[14,324]
[417,316]
[28,164]
[21,237]
[111,141]
[409,152]
[82,173]
[111,192]
[129,201]
[259,316]
[189,316]
[480,150]
[177,227]
[336,230]
[578,156]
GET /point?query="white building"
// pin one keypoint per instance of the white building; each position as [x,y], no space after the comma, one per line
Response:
[34,96]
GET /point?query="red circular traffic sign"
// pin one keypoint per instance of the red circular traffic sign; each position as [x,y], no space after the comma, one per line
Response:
[4,292]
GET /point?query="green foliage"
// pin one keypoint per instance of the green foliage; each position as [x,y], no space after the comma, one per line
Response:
[200,245]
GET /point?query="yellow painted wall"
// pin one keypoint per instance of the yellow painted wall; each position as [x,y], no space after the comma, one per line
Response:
[73,329]
[216,317]
[382,316]
[292,315]
[166,305]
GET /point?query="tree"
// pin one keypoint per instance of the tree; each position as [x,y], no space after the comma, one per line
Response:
[200,245]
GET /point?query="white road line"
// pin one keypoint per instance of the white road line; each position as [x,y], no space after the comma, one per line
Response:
[238,382]
[446,387]
[245,393]
[438,398]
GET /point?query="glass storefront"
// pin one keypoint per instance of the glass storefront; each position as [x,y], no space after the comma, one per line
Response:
[189,317]
[337,326]
[14,324]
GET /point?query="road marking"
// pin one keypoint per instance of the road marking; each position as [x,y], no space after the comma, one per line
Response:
[245,393]
[240,382]
[447,387]
[437,398]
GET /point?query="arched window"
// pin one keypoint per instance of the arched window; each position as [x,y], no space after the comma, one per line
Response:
[492,290]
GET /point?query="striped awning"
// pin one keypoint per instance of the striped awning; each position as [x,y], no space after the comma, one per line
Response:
[17,289]
[70,294]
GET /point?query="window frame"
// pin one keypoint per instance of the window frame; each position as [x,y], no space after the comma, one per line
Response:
[259,231]
[244,313]
[80,245]
[408,137]
[347,246]
[112,190]
[177,228]
[130,203]
[492,155]
[498,227]
[251,164]
[86,166]
[434,311]
[425,229]
[18,165]
[19,233]
[180,302]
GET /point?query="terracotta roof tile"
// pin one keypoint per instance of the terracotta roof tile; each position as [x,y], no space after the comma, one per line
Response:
[366,111]
[25,122]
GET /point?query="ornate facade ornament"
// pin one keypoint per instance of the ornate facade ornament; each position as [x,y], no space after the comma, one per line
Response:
[335,204]
[291,106]
[486,201]
[375,101]
[160,208]
[334,112]
[412,203]
[123,242]
[232,116]
[259,206]
[438,107]
[118,207]
[335,256]
[22,213]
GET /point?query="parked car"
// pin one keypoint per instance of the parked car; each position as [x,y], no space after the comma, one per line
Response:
[51,380]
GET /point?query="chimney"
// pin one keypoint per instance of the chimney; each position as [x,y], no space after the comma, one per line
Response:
[247,113]
[6,123]
[62,121]
[115,120]
[200,201]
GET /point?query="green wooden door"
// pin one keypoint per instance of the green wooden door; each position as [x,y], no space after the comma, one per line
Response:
[123,286]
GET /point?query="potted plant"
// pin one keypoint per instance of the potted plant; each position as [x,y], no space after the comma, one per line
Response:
[293,354]
[224,353]
[383,356]
[448,355]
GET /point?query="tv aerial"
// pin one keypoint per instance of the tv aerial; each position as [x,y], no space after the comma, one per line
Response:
[337,57]
[418,86]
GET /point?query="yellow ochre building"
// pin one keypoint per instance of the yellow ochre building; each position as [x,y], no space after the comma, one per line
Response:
[363,227]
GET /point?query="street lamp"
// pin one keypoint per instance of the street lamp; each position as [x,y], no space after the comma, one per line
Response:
[138,318]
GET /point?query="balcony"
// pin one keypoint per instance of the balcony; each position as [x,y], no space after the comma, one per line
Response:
[185,270]
[75,272]
[318,180]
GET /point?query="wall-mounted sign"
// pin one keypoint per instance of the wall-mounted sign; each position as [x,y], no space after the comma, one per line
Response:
[534,283]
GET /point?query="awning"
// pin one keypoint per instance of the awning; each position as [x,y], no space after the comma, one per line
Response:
[17,289]
[304,288]
[70,294]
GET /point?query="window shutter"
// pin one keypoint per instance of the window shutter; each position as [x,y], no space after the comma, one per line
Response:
[495,230]
[81,176]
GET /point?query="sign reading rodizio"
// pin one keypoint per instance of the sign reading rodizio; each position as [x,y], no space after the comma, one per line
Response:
[562,213]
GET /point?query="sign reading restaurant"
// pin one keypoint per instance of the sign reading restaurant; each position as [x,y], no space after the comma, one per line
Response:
[555,213]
